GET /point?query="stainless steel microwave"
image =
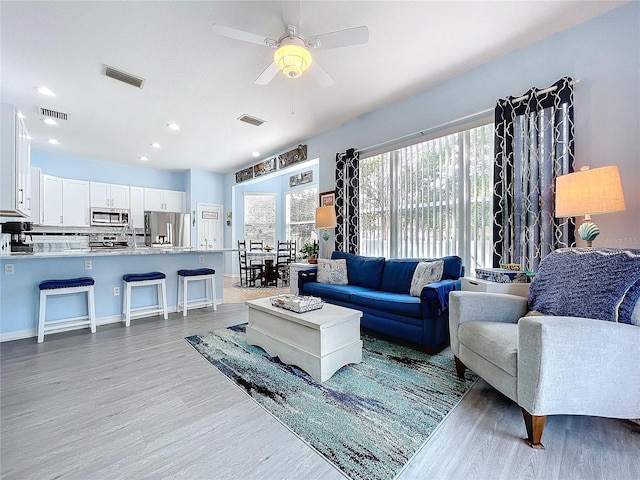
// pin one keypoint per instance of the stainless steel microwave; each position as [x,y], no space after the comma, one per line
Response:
[113,217]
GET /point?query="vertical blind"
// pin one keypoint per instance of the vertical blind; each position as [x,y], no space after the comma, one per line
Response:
[301,215]
[430,199]
[260,217]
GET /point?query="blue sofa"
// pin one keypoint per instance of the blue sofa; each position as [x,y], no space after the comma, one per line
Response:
[379,288]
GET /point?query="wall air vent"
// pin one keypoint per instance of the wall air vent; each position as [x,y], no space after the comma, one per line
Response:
[122,76]
[45,112]
[250,120]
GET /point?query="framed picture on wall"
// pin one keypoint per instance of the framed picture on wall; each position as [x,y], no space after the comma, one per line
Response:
[327,198]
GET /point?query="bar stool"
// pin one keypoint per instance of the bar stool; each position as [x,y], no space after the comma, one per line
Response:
[141,280]
[208,275]
[66,287]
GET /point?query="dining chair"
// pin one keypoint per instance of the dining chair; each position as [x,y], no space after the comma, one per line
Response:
[285,255]
[249,272]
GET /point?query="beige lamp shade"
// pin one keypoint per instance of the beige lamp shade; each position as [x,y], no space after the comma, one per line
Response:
[326,217]
[588,192]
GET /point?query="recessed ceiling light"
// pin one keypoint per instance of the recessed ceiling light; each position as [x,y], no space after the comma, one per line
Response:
[45,91]
[256,154]
[143,158]
[173,126]
[155,145]
[49,121]
[53,141]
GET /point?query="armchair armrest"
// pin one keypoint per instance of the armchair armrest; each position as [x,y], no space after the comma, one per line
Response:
[482,307]
[581,366]
[434,298]
[304,276]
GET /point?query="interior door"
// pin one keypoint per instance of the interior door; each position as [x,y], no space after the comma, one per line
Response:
[209,226]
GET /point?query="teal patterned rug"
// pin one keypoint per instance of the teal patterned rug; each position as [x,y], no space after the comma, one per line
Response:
[368,420]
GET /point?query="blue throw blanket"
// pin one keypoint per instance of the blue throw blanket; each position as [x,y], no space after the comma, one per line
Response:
[587,282]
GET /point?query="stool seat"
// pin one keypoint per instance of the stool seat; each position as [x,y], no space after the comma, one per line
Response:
[66,283]
[142,277]
[196,272]
[67,286]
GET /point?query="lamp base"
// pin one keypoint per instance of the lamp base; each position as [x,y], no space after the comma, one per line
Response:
[588,231]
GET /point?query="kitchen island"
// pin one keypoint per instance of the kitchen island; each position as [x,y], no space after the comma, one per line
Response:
[21,273]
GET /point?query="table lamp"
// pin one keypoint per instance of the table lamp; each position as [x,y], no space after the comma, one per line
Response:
[325,219]
[588,192]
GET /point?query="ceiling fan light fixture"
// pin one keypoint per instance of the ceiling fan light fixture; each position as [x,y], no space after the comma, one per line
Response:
[292,59]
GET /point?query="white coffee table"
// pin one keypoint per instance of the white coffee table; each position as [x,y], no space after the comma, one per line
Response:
[320,342]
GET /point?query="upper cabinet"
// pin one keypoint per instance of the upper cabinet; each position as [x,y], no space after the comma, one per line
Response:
[159,200]
[106,195]
[64,202]
[136,201]
[15,187]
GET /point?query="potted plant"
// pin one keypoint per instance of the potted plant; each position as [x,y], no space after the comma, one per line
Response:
[308,252]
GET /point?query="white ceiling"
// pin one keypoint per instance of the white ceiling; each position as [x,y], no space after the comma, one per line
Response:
[204,82]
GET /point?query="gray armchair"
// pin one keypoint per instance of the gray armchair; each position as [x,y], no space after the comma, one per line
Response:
[555,364]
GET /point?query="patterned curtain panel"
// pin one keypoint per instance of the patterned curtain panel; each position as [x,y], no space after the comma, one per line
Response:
[533,145]
[347,192]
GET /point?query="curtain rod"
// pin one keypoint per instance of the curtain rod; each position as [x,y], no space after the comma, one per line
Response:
[450,123]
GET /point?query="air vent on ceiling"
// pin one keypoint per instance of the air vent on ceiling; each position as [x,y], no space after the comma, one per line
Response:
[250,120]
[45,112]
[122,76]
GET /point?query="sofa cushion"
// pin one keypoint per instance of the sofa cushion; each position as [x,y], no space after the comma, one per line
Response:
[333,272]
[425,273]
[362,271]
[452,267]
[397,275]
[496,342]
[341,293]
[399,303]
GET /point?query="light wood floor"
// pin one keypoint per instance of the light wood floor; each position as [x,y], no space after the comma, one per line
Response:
[141,403]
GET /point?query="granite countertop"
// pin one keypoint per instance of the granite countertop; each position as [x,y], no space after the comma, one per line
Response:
[87,252]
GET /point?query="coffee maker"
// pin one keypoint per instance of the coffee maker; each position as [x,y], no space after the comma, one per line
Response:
[18,230]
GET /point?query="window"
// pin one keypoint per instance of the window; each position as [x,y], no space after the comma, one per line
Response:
[301,215]
[260,217]
[430,199]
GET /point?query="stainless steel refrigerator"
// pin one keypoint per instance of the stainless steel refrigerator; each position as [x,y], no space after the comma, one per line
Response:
[166,229]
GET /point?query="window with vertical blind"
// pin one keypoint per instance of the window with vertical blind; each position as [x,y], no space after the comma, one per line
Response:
[260,217]
[430,199]
[301,214]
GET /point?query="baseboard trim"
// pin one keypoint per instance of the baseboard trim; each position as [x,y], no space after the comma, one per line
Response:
[33,332]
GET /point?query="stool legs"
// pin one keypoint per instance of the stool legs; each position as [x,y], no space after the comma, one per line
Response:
[209,292]
[88,320]
[161,307]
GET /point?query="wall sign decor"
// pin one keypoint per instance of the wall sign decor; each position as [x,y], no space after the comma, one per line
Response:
[243,175]
[209,215]
[265,167]
[301,178]
[291,157]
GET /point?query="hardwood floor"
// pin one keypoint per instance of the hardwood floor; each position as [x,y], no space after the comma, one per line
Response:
[141,403]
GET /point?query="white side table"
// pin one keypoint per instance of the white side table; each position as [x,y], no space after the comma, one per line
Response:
[473,284]
[294,268]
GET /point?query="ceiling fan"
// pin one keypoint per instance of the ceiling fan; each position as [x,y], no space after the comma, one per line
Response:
[292,55]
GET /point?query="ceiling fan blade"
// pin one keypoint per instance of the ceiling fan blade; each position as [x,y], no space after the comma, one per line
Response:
[341,38]
[268,74]
[320,75]
[240,34]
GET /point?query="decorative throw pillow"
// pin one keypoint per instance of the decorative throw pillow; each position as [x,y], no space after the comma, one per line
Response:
[424,274]
[333,272]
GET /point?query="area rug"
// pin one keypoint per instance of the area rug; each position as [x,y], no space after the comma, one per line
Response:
[368,420]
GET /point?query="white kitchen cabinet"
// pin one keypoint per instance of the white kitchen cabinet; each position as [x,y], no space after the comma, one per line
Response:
[64,202]
[159,200]
[15,162]
[75,203]
[50,200]
[107,195]
[136,202]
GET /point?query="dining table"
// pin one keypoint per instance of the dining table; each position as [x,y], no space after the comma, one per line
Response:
[266,259]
